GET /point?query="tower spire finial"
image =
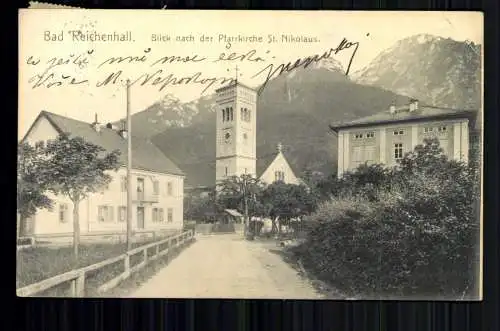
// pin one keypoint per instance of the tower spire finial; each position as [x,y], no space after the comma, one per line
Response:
[236,73]
[280,147]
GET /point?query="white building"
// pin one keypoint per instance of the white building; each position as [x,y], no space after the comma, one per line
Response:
[158,184]
[387,136]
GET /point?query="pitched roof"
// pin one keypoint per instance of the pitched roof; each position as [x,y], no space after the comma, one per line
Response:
[145,155]
[403,114]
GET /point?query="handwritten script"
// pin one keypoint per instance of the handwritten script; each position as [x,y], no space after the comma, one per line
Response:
[76,69]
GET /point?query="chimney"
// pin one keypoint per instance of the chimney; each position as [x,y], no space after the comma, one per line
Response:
[392,108]
[123,132]
[96,125]
[413,104]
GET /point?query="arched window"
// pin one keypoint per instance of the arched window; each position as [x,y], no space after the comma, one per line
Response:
[227,114]
[223,115]
[232,114]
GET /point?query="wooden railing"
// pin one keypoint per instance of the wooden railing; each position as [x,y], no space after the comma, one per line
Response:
[77,277]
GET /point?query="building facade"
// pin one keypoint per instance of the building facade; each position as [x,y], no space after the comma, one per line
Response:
[157,191]
[386,137]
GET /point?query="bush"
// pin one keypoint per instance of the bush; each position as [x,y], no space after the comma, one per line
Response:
[415,235]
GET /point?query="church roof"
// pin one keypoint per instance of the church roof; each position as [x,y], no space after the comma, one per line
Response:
[145,155]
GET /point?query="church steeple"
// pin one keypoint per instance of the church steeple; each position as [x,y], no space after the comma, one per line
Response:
[236,130]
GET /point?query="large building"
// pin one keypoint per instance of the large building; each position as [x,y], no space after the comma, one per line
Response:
[157,192]
[384,138]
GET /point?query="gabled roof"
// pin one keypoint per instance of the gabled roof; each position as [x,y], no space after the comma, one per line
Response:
[145,155]
[402,114]
[265,161]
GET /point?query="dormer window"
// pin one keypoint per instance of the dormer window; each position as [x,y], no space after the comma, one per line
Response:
[358,136]
[442,129]
[370,135]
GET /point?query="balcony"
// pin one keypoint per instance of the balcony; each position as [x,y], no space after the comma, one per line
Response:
[143,197]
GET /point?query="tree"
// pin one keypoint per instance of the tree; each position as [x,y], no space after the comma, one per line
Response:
[32,181]
[288,201]
[241,191]
[78,168]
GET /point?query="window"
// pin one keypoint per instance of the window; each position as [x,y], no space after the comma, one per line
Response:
[170,215]
[123,184]
[156,187]
[279,176]
[398,151]
[370,153]
[122,214]
[105,213]
[231,114]
[223,115]
[427,130]
[226,172]
[442,129]
[169,188]
[158,215]
[357,154]
[370,135]
[358,136]
[63,213]
[398,132]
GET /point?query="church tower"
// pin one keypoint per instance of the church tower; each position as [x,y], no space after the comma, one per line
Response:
[236,131]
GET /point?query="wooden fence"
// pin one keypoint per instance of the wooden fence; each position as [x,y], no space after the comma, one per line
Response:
[76,278]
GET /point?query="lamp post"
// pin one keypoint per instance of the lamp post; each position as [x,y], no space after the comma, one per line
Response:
[129,171]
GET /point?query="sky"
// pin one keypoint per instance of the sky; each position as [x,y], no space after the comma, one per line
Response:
[43,61]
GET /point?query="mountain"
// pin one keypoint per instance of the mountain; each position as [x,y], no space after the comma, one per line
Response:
[439,71]
[295,108]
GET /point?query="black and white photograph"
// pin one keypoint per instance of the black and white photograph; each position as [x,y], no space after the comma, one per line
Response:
[250,154]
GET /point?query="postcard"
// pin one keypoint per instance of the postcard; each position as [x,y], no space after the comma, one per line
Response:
[250,154]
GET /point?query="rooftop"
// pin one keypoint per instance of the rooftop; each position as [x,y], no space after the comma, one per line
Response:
[403,114]
[145,155]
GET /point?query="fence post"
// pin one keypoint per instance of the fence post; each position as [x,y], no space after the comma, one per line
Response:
[78,286]
[126,261]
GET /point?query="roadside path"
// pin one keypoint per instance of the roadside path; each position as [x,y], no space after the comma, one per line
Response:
[227,266]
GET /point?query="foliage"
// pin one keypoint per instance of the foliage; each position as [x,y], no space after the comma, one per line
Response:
[32,180]
[241,192]
[288,200]
[416,236]
[78,168]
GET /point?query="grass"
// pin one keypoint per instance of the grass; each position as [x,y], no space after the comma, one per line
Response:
[35,264]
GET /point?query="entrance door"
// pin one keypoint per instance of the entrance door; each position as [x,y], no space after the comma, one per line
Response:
[140,217]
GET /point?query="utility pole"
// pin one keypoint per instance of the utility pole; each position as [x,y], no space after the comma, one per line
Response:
[129,171]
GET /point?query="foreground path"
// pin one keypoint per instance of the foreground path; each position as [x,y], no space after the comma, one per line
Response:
[227,266]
